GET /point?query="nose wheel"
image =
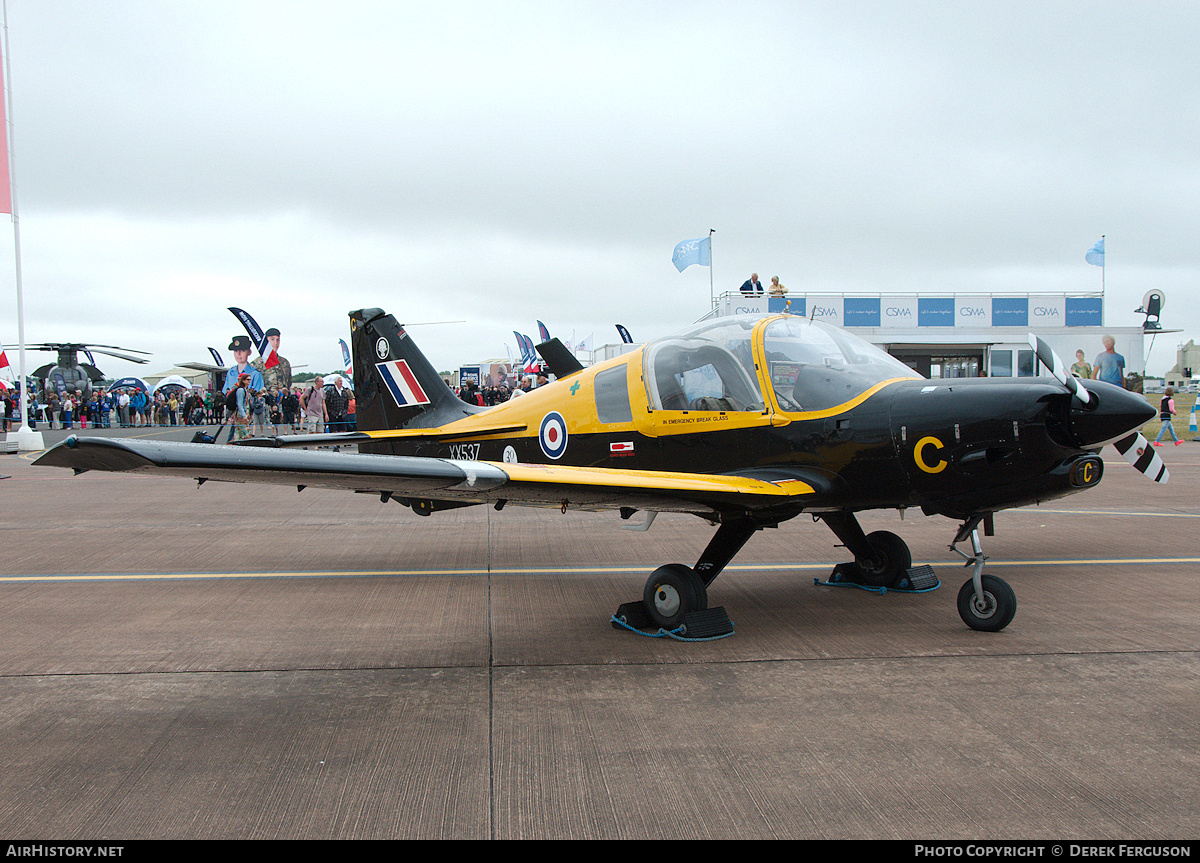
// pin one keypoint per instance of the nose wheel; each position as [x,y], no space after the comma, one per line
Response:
[985,603]
[990,612]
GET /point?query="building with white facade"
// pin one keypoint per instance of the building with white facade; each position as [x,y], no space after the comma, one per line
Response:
[962,335]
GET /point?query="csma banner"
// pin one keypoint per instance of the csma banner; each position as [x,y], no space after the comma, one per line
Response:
[910,311]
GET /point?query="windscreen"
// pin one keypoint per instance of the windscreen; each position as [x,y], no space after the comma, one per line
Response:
[814,366]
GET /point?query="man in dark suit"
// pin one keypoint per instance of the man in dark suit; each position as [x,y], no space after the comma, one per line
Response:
[752,286]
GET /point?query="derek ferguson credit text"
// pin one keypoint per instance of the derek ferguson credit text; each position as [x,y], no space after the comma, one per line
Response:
[1055,850]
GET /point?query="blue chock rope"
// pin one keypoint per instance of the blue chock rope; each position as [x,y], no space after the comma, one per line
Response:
[675,634]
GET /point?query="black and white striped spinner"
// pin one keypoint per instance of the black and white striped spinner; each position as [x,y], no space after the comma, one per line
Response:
[1050,360]
[1138,452]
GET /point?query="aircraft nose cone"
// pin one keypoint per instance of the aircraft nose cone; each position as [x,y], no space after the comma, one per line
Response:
[1117,413]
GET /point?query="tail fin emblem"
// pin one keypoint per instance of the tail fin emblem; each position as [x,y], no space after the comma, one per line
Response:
[402,384]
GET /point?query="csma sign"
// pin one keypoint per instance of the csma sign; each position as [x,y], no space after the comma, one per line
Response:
[1048,311]
[825,308]
[899,312]
[973,311]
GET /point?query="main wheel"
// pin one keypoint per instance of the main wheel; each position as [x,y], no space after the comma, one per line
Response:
[892,559]
[997,609]
[671,592]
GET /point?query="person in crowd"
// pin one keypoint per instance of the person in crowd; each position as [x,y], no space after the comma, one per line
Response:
[776,290]
[239,425]
[1166,411]
[138,408]
[313,403]
[337,403]
[107,404]
[752,287]
[258,413]
[289,406]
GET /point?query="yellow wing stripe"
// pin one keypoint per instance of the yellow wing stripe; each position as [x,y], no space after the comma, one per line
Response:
[454,430]
[651,480]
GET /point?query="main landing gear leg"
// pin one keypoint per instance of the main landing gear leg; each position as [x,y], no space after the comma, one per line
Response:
[985,602]
[881,558]
[673,592]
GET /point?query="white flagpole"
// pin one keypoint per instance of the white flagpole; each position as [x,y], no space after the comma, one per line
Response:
[1102,266]
[712,296]
[27,439]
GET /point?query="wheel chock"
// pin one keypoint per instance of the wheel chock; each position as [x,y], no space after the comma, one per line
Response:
[704,625]
[919,578]
[710,623]
[632,615]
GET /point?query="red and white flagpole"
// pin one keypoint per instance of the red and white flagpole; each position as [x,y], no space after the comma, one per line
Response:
[27,439]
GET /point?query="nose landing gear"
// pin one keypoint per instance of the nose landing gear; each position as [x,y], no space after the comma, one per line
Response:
[985,602]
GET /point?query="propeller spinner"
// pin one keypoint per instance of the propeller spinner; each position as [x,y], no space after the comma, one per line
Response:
[1133,447]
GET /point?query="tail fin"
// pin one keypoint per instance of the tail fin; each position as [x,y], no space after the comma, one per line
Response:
[395,387]
[559,360]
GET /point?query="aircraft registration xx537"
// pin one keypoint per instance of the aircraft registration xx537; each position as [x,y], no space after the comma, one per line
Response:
[745,422]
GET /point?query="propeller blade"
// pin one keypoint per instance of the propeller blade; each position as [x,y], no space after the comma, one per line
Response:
[1050,360]
[1138,452]
[121,356]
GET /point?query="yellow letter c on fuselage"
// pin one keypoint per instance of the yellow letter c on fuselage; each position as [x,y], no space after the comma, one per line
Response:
[919,457]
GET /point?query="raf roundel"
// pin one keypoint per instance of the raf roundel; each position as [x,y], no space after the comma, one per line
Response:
[553,435]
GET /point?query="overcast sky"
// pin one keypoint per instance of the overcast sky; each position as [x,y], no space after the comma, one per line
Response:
[504,162]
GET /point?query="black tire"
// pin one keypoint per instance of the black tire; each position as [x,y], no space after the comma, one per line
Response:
[892,561]
[998,609]
[671,592]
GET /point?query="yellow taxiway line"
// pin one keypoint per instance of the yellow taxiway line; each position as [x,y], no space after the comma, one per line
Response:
[536,570]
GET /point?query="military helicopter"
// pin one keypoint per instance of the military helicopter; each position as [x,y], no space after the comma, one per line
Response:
[743,421]
[68,374]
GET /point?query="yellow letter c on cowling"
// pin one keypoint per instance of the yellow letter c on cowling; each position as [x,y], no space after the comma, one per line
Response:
[919,457]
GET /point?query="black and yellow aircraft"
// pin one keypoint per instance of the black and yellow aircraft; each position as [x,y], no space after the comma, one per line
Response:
[745,422]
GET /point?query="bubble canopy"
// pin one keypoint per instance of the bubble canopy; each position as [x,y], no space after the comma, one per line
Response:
[809,365]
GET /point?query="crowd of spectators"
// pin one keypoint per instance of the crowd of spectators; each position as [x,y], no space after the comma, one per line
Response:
[272,410]
[490,395]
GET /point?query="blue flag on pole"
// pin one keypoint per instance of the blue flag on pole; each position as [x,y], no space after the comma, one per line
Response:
[693,252]
[1095,255]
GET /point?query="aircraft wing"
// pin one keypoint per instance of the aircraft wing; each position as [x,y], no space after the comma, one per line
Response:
[438,479]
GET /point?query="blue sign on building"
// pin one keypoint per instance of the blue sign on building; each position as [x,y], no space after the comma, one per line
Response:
[1085,312]
[1010,311]
[1037,310]
[860,311]
[935,312]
